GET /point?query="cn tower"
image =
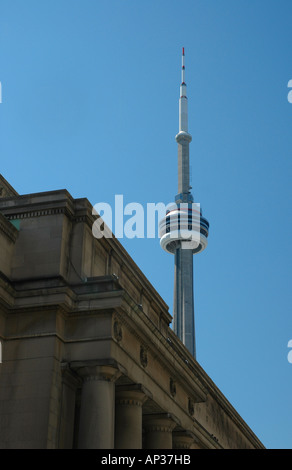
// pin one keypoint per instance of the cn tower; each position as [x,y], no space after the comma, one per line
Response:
[184,231]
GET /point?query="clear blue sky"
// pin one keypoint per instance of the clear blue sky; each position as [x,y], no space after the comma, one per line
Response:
[90,103]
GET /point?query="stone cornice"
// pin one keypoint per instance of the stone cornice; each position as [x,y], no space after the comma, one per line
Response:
[84,298]
[38,205]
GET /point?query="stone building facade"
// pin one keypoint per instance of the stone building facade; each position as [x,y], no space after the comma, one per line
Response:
[88,358]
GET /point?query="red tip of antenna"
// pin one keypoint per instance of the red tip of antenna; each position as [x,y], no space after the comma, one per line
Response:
[183,51]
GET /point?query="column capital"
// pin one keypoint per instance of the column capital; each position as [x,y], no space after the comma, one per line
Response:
[105,370]
[132,394]
[183,439]
[164,422]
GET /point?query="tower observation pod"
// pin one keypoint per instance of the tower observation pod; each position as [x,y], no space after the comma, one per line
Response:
[184,231]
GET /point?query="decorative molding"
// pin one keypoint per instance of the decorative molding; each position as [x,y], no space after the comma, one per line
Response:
[191,407]
[143,356]
[172,387]
[117,330]
[37,213]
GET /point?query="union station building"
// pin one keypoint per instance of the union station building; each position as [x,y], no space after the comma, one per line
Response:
[88,358]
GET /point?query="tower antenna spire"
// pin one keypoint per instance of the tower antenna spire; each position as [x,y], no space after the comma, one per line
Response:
[183,101]
[184,231]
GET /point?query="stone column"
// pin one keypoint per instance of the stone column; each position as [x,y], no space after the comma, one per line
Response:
[97,412]
[158,431]
[128,422]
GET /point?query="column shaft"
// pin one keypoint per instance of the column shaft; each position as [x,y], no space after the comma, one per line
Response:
[96,429]
[128,420]
[97,413]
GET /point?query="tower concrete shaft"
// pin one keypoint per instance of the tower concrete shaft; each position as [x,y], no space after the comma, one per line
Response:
[184,232]
[183,304]
[183,301]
